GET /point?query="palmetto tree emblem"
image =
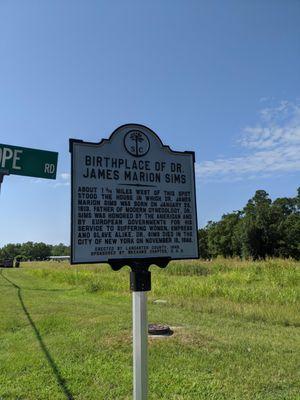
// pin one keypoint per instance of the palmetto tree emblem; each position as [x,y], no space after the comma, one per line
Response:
[136,143]
[137,138]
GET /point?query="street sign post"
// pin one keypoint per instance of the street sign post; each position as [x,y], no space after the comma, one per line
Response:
[3,172]
[133,203]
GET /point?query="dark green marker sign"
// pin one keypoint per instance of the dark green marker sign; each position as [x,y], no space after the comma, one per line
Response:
[28,162]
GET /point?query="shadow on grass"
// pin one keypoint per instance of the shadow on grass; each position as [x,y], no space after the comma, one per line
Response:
[40,290]
[60,380]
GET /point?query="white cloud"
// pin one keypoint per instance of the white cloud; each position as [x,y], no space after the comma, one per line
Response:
[65,176]
[272,146]
[59,184]
[63,180]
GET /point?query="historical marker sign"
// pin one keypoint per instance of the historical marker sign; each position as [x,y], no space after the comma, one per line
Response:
[132,198]
[28,162]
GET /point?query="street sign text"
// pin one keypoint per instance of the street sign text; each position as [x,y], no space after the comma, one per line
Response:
[28,162]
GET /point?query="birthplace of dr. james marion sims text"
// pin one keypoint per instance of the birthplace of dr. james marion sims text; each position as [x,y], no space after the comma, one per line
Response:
[132,197]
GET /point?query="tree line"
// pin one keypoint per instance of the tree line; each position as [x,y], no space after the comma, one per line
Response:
[263,228]
[33,251]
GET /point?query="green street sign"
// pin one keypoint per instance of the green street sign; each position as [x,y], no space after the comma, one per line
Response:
[28,162]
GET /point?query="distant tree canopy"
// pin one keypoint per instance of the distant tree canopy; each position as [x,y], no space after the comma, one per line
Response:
[33,251]
[261,229]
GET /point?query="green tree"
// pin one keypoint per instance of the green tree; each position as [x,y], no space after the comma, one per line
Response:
[258,231]
[60,250]
[35,251]
[289,226]
[41,251]
[289,244]
[203,243]
[221,236]
[11,250]
[27,251]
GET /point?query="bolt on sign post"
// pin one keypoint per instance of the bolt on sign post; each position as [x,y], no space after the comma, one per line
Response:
[133,203]
[16,160]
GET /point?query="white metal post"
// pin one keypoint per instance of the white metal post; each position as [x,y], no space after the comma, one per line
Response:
[140,345]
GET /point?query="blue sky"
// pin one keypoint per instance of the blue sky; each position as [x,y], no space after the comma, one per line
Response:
[221,78]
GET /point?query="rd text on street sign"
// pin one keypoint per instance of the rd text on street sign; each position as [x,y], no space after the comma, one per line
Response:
[132,198]
[28,162]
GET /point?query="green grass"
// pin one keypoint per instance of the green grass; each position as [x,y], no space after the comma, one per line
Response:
[65,332]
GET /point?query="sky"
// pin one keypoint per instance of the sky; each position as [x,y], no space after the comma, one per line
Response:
[221,78]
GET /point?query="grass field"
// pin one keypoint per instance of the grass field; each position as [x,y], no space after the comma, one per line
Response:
[65,332]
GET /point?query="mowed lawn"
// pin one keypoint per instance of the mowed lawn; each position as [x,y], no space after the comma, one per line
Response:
[65,331]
